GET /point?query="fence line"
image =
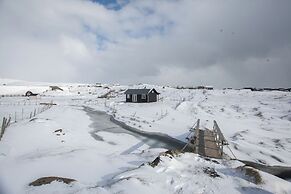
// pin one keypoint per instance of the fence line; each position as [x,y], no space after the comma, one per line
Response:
[7,121]
[23,102]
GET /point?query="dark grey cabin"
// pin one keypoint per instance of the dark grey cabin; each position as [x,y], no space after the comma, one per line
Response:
[141,95]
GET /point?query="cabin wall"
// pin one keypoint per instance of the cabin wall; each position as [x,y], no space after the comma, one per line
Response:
[128,99]
[139,99]
[152,97]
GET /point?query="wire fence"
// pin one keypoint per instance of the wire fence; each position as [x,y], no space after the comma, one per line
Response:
[17,108]
[16,117]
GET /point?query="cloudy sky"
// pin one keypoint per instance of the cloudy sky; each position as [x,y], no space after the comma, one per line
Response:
[225,43]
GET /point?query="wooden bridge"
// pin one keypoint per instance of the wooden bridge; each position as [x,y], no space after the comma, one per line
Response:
[207,142]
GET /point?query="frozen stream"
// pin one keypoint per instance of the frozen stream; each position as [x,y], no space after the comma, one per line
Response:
[102,122]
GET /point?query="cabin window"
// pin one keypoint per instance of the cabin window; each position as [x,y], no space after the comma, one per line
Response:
[143,96]
[127,96]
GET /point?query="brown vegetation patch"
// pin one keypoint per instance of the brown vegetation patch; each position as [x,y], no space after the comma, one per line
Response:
[253,174]
[48,180]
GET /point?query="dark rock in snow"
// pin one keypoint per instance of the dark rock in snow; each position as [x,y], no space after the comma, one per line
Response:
[211,172]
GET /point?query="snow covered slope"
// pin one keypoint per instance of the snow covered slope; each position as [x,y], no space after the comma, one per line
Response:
[185,173]
[256,124]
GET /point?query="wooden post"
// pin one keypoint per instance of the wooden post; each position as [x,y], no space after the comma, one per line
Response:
[222,150]
[2,128]
[8,122]
[196,136]
[5,124]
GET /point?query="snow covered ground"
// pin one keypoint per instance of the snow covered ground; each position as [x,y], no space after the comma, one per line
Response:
[32,148]
[256,124]
[186,173]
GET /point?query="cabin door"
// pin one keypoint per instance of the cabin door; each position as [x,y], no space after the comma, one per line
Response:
[134,98]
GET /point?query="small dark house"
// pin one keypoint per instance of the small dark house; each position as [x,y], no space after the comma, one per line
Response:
[141,95]
[29,93]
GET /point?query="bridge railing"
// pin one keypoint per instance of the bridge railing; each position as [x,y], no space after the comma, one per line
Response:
[192,139]
[219,138]
[195,136]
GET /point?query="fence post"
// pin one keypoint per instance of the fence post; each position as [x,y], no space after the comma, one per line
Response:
[8,122]
[5,124]
[3,127]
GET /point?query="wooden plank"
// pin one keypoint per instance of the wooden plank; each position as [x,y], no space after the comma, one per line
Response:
[207,145]
[201,143]
[207,142]
[211,147]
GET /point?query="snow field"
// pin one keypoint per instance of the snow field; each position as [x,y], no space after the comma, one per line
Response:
[58,142]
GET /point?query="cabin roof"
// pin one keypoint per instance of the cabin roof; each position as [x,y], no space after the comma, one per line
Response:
[140,91]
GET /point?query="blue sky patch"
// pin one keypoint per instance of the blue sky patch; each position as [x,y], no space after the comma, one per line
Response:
[112,4]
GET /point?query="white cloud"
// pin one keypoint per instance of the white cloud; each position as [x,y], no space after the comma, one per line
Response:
[74,48]
[169,42]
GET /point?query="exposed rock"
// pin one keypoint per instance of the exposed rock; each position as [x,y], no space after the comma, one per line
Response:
[54,88]
[155,162]
[58,130]
[211,172]
[209,159]
[48,180]
[169,153]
